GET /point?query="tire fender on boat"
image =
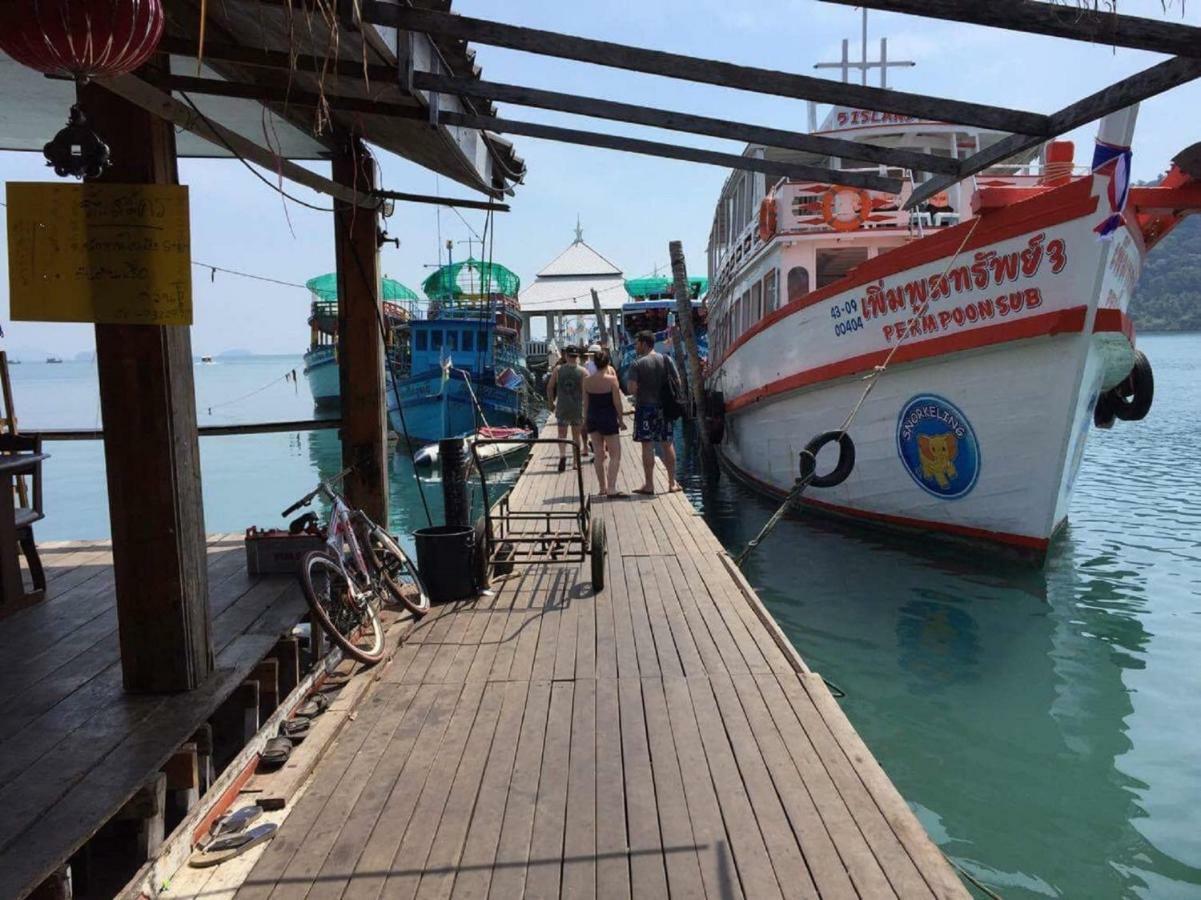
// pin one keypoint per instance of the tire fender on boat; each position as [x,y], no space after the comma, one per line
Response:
[1131,400]
[840,472]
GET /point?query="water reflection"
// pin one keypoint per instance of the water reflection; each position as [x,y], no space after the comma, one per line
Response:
[1026,714]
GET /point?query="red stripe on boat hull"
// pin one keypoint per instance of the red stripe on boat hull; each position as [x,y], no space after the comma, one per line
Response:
[1029,545]
[1061,322]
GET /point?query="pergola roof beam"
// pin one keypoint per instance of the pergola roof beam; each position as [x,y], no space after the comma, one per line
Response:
[1063,21]
[868,180]
[678,121]
[1147,83]
[673,65]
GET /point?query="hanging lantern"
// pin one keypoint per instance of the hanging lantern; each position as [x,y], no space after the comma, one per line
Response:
[81,38]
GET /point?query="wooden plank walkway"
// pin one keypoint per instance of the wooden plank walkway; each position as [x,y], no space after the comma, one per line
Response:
[656,739]
[73,745]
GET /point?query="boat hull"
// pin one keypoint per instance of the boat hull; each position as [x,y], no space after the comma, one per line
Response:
[435,408]
[977,427]
[321,372]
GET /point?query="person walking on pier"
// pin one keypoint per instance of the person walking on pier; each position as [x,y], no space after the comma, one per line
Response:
[565,391]
[647,380]
[603,420]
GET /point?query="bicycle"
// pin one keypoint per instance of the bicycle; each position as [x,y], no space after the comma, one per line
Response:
[345,580]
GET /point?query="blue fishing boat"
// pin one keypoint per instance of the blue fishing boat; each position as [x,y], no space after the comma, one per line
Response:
[463,368]
[654,309]
[321,359]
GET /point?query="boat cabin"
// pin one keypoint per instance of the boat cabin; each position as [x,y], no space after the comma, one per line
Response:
[470,343]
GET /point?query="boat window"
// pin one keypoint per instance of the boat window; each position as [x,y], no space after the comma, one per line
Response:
[481,341]
[746,310]
[771,296]
[468,341]
[452,339]
[422,339]
[436,339]
[798,283]
[756,302]
[834,263]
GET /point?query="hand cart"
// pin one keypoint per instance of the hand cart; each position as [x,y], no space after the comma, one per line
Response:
[524,537]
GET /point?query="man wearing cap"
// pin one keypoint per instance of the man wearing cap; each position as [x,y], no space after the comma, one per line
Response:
[565,391]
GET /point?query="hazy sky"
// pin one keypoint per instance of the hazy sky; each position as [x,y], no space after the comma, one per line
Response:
[630,206]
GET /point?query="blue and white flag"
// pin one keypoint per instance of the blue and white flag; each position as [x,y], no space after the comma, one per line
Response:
[1114,162]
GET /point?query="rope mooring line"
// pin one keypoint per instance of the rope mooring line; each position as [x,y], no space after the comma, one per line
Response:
[871,378]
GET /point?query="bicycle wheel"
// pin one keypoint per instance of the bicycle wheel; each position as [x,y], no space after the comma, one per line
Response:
[399,574]
[352,624]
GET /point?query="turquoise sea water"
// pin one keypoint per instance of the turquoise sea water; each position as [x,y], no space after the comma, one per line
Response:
[1045,725]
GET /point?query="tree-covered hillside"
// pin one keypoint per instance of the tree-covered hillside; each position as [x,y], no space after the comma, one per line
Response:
[1168,297]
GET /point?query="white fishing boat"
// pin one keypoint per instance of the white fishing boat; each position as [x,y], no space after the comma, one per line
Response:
[509,453]
[999,310]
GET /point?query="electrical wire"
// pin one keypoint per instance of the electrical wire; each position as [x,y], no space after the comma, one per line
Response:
[213,268]
[253,171]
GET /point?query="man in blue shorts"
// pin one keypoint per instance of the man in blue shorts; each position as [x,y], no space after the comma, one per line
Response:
[646,380]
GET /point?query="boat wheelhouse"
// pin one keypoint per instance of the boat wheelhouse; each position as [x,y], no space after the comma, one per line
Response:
[1000,308]
[463,367]
[321,359]
[653,309]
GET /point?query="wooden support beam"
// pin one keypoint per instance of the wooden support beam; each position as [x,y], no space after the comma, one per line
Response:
[706,71]
[1119,95]
[281,60]
[161,104]
[151,449]
[265,93]
[678,121]
[1071,21]
[673,151]
[442,201]
[360,341]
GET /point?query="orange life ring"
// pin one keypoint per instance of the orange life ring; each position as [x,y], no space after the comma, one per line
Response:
[767,218]
[840,211]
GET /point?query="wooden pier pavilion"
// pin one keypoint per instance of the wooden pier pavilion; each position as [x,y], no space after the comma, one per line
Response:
[658,738]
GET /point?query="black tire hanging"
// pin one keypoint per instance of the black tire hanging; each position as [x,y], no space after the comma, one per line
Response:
[1131,400]
[841,471]
[1103,416]
[598,547]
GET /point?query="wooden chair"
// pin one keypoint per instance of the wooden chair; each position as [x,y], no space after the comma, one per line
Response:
[20,454]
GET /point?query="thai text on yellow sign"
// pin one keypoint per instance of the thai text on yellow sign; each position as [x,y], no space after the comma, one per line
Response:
[117,254]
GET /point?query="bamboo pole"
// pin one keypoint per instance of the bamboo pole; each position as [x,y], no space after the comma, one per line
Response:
[600,319]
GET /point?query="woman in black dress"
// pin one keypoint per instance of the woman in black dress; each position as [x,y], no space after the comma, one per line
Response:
[603,421]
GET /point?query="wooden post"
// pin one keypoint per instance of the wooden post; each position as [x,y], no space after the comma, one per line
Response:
[600,319]
[679,272]
[360,342]
[151,450]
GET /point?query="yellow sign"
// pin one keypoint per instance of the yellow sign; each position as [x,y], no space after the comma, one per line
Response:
[117,254]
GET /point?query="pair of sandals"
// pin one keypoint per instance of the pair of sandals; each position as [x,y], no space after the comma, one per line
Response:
[231,836]
[292,731]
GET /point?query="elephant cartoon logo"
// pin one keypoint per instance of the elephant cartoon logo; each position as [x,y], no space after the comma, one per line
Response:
[938,446]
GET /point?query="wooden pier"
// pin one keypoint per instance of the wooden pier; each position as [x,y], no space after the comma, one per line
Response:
[659,738]
[74,746]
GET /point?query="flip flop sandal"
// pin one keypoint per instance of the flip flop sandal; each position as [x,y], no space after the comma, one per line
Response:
[313,707]
[226,848]
[276,751]
[294,730]
[232,823]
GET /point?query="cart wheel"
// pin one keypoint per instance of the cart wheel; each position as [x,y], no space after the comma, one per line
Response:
[599,546]
[479,554]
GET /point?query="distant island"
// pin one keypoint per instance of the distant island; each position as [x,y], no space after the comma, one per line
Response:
[1168,297]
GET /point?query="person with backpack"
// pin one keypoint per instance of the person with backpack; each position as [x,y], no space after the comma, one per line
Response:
[655,385]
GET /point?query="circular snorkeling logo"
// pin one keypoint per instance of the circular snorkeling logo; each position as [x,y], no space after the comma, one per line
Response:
[938,446]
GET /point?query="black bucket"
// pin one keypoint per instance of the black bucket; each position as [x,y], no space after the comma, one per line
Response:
[445,562]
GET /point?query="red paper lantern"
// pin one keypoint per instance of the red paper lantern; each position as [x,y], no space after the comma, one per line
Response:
[81,38]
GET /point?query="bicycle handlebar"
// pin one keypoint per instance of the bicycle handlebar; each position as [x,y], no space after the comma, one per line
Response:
[321,486]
